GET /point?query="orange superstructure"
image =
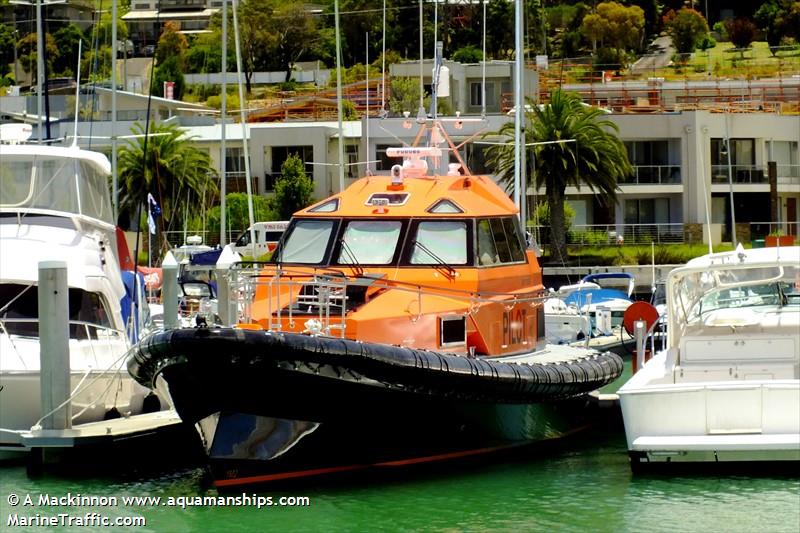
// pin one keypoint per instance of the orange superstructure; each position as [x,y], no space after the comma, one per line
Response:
[434,262]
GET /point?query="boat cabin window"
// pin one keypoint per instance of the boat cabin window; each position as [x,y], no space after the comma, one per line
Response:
[307,242]
[440,242]
[499,241]
[19,311]
[369,242]
[57,183]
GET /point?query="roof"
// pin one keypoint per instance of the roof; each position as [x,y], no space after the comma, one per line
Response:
[476,196]
[233,132]
[152,14]
[188,106]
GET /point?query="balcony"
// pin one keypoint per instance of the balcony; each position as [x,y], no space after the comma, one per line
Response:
[740,174]
[653,174]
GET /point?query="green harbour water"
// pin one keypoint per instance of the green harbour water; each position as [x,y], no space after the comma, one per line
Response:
[580,484]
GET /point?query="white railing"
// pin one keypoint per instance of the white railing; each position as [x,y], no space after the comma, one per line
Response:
[327,296]
[653,174]
[605,234]
[739,174]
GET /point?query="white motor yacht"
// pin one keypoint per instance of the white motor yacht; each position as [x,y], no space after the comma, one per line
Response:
[727,386]
[55,205]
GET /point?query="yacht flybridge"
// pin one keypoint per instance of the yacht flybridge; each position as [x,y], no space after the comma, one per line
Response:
[400,321]
[727,388]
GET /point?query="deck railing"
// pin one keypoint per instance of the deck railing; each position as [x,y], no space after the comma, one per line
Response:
[653,174]
[622,234]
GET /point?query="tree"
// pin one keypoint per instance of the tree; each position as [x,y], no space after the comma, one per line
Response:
[778,19]
[595,156]
[741,31]
[174,171]
[27,53]
[686,28]
[293,190]
[468,54]
[293,33]
[67,39]
[237,215]
[7,43]
[171,45]
[169,70]
[615,26]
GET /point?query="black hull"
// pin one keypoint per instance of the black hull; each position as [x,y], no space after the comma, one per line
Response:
[273,406]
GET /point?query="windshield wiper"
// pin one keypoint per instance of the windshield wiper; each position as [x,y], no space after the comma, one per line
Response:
[346,249]
[449,271]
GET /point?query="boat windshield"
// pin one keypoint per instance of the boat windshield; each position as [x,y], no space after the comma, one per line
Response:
[369,242]
[766,287]
[65,184]
[440,241]
[307,242]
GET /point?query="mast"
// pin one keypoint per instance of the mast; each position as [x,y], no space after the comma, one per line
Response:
[114,182]
[519,134]
[339,94]
[223,164]
[39,68]
[243,119]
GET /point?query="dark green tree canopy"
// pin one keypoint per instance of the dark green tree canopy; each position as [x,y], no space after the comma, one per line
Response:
[686,28]
[174,171]
[294,190]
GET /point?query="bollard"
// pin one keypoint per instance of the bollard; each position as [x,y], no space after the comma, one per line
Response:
[54,374]
[639,332]
[588,319]
[227,258]
[169,291]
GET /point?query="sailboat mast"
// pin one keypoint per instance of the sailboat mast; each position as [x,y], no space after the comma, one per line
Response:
[114,182]
[519,134]
[223,163]
[339,93]
[39,68]
[243,120]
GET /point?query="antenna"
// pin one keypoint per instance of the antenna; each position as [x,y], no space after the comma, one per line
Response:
[78,96]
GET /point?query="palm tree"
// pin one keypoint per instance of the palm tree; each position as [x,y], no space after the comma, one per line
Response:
[594,156]
[175,172]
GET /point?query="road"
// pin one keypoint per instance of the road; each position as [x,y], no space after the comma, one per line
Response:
[659,54]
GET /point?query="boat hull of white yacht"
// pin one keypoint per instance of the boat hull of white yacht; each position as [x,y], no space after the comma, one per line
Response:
[711,421]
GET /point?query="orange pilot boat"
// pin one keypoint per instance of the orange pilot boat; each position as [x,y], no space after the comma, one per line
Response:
[399,321]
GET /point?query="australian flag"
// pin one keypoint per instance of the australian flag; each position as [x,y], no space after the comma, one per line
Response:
[153,212]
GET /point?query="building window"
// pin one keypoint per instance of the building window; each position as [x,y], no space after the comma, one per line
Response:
[234,159]
[476,93]
[647,211]
[281,153]
[742,152]
[648,152]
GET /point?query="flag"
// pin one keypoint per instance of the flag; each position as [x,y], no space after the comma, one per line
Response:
[153,211]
